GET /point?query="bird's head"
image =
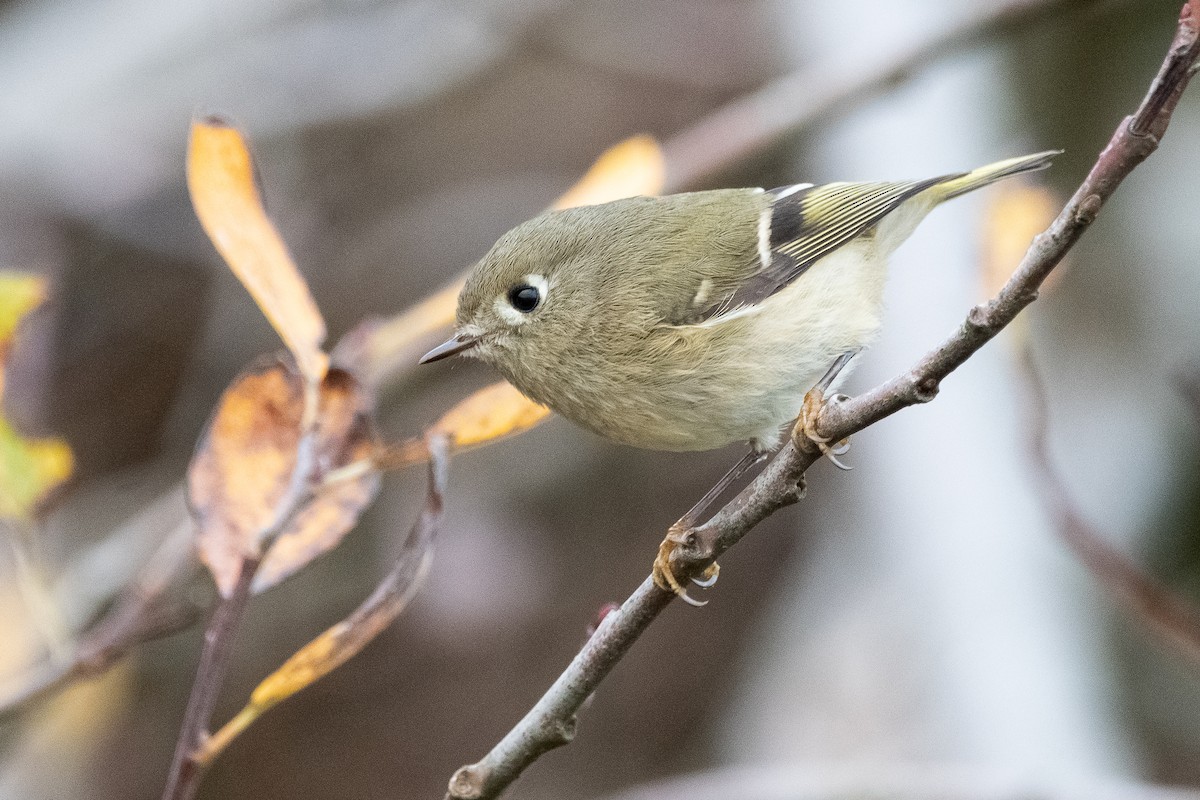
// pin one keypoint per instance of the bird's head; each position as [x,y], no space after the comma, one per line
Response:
[516,295]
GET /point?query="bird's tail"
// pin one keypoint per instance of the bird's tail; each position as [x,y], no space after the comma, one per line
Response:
[975,179]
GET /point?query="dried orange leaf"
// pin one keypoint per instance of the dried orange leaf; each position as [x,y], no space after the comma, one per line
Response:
[1016,212]
[343,641]
[243,485]
[491,413]
[240,479]
[630,168]
[30,469]
[221,179]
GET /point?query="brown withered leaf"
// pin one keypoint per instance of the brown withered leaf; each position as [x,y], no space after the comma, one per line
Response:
[345,436]
[243,484]
[346,639]
[221,180]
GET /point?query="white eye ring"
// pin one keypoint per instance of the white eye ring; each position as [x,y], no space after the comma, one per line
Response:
[506,304]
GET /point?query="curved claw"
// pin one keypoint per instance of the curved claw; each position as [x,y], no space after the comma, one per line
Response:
[832,454]
[664,578]
[806,426]
[709,577]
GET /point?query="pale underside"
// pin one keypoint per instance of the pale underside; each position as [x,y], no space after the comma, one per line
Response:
[767,358]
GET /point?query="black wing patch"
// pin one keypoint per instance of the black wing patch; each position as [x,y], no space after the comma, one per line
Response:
[809,224]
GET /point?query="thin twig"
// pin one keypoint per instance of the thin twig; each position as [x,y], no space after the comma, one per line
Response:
[551,722]
[346,639]
[188,767]
[185,774]
[144,611]
[1170,617]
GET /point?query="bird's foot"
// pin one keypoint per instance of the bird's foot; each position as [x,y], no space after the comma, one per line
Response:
[806,428]
[663,573]
[810,413]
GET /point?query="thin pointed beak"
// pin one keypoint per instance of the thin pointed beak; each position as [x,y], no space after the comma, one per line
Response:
[456,344]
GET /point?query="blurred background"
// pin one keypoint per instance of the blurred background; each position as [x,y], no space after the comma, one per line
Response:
[916,624]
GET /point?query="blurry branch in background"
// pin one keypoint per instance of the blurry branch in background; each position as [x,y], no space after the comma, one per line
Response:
[1188,382]
[144,610]
[822,92]
[1016,212]
[1169,616]
[150,606]
[552,720]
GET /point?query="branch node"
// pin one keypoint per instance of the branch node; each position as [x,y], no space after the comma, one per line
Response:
[467,783]
[799,489]
[979,319]
[1088,208]
[702,546]
[564,730]
[1139,131]
[924,390]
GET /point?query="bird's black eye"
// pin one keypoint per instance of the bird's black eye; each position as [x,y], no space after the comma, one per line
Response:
[524,298]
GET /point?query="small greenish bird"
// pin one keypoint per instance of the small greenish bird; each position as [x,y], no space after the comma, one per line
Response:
[690,321]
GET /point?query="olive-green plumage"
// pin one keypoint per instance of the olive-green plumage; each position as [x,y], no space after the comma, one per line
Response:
[694,320]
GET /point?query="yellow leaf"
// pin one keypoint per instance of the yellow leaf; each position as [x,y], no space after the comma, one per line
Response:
[29,471]
[632,167]
[29,468]
[490,414]
[20,293]
[221,180]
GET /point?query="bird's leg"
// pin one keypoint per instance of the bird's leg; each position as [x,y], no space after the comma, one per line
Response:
[662,573]
[810,412]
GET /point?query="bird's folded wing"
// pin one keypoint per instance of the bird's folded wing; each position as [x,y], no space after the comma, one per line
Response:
[809,223]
